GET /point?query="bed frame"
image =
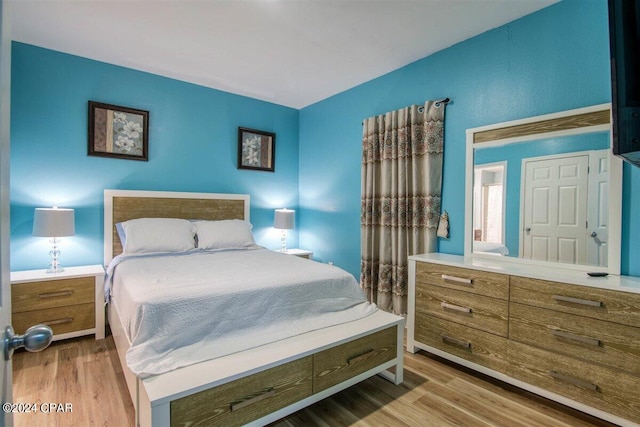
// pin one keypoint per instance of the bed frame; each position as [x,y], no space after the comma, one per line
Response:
[259,385]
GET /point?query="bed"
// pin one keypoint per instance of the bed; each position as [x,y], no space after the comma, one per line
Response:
[258,377]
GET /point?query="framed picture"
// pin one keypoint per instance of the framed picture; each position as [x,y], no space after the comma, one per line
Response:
[256,149]
[118,132]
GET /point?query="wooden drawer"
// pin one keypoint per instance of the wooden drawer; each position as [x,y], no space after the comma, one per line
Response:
[246,399]
[474,281]
[610,390]
[30,296]
[590,339]
[338,364]
[61,319]
[468,343]
[597,303]
[477,311]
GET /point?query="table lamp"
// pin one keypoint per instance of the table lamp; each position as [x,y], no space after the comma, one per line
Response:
[54,223]
[284,219]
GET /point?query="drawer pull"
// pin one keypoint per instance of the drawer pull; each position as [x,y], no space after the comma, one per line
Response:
[268,393]
[574,381]
[457,279]
[447,306]
[454,341]
[58,321]
[574,337]
[359,358]
[55,294]
[580,301]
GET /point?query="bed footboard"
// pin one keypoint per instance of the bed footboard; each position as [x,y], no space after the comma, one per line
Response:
[276,380]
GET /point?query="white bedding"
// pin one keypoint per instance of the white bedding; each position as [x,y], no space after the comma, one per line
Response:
[182,309]
[490,247]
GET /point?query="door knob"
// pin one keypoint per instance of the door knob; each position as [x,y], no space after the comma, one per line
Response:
[594,234]
[528,229]
[36,338]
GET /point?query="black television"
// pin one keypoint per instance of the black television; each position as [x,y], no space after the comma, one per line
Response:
[624,38]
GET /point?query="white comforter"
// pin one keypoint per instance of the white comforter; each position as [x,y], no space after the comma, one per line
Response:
[182,309]
[490,247]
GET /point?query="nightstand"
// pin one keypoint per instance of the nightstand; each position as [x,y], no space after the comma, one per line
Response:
[299,252]
[70,302]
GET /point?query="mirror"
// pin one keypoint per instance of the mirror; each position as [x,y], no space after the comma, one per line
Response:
[545,190]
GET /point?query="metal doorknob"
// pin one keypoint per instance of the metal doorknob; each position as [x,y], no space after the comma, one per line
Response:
[594,234]
[527,229]
[36,338]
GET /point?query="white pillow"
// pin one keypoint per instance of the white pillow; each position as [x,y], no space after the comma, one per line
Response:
[158,235]
[121,234]
[225,234]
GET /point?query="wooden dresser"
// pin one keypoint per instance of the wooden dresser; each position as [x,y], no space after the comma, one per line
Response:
[559,333]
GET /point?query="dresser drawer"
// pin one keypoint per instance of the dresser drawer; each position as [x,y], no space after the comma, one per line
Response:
[246,399]
[610,390]
[468,343]
[62,320]
[604,304]
[590,339]
[337,364]
[474,281]
[477,311]
[30,296]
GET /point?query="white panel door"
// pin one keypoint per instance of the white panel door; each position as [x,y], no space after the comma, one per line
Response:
[555,209]
[598,210]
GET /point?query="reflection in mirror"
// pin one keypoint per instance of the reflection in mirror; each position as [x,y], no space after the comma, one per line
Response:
[545,191]
[488,213]
[544,200]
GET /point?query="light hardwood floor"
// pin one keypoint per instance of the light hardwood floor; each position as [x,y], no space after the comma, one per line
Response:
[87,374]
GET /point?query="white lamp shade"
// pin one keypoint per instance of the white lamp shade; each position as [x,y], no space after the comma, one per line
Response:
[284,219]
[53,222]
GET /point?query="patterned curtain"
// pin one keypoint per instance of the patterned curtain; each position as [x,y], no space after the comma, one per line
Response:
[401,188]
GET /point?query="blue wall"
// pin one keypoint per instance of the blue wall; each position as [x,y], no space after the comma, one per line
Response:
[553,60]
[192,147]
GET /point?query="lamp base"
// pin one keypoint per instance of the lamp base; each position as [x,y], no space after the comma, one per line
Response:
[55,266]
[283,240]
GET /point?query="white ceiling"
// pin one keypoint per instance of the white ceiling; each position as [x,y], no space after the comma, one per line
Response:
[289,52]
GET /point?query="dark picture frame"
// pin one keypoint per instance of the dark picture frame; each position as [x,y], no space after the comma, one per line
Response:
[256,149]
[118,132]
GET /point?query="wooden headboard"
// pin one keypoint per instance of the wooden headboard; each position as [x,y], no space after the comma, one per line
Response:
[123,205]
